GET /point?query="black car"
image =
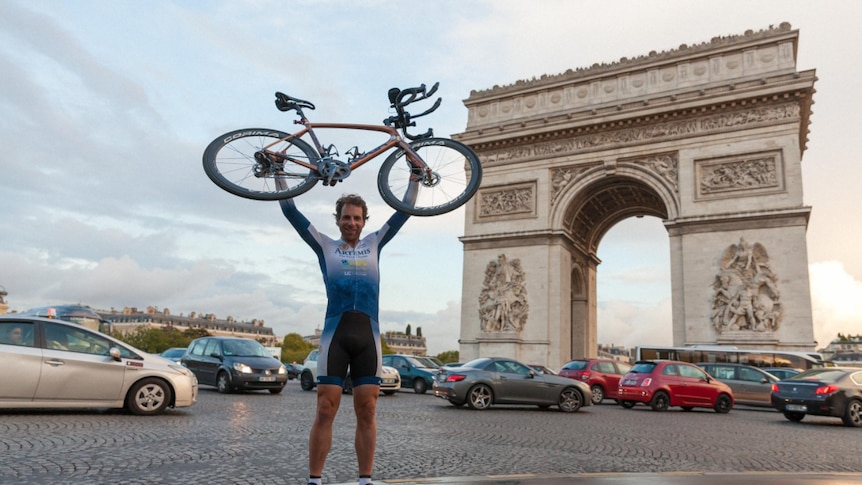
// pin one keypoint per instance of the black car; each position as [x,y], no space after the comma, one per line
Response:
[235,364]
[293,370]
[827,391]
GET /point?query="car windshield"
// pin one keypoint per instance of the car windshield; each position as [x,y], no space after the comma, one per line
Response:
[642,368]
[171,353]
[477,363]
[823,375]
[244,348]
[420,362]
[575,365]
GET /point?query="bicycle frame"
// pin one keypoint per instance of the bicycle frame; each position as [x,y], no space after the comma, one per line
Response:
[395,140]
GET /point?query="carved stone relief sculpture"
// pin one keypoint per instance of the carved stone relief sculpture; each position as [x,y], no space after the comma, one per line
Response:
[503,300]
[746,296]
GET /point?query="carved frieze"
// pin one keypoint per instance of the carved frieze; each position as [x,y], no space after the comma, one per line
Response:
[503,300]
[648,132]
[562,177]
[746,296]
[750,173]
[666,165]
[508,201]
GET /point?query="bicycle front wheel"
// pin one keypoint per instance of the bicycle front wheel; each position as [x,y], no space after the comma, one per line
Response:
[230,162]
[456,177]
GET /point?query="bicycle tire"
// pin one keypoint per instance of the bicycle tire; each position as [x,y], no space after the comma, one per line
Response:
[230,163]
[456,165]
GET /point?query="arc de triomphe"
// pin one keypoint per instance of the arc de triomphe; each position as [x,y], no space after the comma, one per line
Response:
[709,138]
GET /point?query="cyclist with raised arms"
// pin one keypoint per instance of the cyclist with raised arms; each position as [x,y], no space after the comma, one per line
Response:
[351,333]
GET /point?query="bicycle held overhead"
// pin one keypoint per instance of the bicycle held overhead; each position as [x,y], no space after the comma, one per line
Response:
[268,164]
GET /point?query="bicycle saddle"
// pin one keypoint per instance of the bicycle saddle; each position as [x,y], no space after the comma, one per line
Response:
[286,103]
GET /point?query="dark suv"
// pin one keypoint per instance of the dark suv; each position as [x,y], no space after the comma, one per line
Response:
[602,375]
[415,372]
[234,364]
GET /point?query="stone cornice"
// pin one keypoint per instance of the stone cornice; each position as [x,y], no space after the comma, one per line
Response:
[716,45]
[738,221]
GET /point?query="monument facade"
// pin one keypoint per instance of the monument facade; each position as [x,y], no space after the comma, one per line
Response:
[709,138]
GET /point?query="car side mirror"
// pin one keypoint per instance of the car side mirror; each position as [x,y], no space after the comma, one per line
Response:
[764,380]
[532,374]
[114,353]
[216,355]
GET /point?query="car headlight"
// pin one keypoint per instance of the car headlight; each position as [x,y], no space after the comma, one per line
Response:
[241,368]
[282,371]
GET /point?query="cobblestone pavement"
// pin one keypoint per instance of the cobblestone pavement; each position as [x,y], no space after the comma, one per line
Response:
[258,438]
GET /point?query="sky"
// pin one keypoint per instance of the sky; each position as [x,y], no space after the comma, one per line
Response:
[106,108]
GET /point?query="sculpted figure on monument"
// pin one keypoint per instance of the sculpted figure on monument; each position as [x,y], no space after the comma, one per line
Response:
[503,301]
[746,296]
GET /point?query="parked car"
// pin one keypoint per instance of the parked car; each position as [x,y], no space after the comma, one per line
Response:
[484,382]
[390,378]
[390,382]
[602,375]
[751,386]
[664,383]
[308,376]
[293,370]
[541,369]
[782,372]
[825,391]
[174,353]
[52,363]
[416,373]
[235,364]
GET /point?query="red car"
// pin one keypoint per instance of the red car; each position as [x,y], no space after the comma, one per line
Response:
[602,375]
[664,383]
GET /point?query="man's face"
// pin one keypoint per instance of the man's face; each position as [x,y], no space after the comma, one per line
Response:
[351,223]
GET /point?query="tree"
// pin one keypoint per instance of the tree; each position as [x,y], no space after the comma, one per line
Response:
[407,332]
[384,347]
[418,331]
[294,348]
[155,340]
[448,357]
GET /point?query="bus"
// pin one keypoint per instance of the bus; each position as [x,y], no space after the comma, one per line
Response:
[733,355]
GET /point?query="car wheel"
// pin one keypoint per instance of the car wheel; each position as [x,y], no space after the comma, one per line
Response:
[660,402]
[348,386]
[306,382]
[627,404]
[598,394]
[223,383]
[853,414]
[723,404]
[795,417]
[570,400]
[419,386]
[480,397]
[148,396]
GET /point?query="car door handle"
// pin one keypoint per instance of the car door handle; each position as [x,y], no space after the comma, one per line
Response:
[55,362]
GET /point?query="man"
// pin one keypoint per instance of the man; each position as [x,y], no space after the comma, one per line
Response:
[351,334]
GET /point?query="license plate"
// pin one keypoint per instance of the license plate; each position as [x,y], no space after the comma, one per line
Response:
[796,407]
[267,379]
[389,381]
[630,382]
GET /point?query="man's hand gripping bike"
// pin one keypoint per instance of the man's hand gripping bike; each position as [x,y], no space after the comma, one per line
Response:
[248,162]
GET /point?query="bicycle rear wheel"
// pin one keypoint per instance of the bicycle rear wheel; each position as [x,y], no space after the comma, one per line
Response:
[457,174]
[230,162]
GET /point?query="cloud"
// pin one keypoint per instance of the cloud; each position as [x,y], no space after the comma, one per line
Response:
[836,301]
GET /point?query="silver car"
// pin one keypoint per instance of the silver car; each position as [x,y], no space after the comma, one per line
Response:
[751,386]
[50,363]
[484,382]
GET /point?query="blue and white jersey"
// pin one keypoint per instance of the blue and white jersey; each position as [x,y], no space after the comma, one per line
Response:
[351,274]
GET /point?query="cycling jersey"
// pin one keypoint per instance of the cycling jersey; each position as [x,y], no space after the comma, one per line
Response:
[352,282]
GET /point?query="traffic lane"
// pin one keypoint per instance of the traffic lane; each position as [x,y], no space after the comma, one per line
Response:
[262,438]
[753,478]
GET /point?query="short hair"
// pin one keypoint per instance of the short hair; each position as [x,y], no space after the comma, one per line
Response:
[351,199]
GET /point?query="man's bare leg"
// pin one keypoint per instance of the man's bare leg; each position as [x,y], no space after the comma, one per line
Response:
[365,406]
[320,437]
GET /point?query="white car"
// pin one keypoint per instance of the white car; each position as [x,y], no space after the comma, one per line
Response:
[390,378]
[52,363]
